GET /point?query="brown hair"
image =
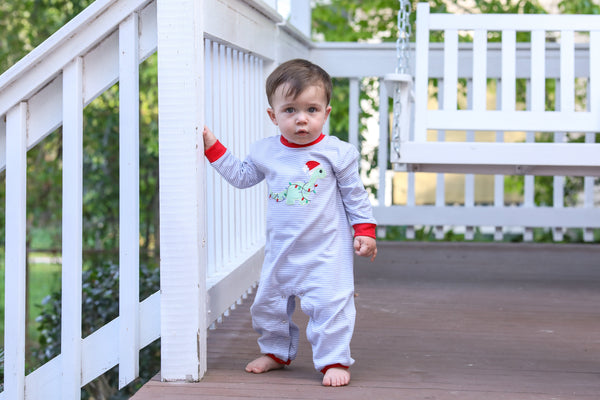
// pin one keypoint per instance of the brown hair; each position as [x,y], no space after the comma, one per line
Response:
[298,74]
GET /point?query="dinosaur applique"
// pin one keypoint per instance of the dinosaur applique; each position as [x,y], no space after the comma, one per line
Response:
[301,191]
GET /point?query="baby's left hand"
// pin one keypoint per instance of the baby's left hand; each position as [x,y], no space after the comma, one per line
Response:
[365,246]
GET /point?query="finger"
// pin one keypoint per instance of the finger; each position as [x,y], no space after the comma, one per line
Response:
[374,255]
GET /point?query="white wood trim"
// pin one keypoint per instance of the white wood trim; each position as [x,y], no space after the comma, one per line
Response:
[226,288]
[479,98]
[182,190]
[354,113]
[72,229]
[210,172]
[567,68]
[450,69]
[384,138]
[543,217]
[594,86]
[421,72]
[523,154]
[15,252]
[509,40]
[538,71]
[100,71]
[498,22]
[129,210]
[76,38]
[548,121]
[2,143]
[99,351]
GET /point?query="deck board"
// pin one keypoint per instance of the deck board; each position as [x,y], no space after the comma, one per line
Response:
[439,321]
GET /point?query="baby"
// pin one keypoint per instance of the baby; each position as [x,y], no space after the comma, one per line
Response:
[316,199]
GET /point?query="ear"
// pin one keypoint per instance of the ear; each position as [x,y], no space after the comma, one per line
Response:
[327,111]
[271,113]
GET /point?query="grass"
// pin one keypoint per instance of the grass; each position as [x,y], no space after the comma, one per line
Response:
[43,280]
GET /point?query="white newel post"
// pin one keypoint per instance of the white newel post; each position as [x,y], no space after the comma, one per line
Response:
[182,185]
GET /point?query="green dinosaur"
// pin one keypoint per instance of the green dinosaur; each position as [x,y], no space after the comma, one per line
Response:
[301,191]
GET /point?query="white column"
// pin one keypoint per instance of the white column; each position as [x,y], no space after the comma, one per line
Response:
[300,15]
[15,256]
[129,203]
[182,189]
[354,113]
[72,229]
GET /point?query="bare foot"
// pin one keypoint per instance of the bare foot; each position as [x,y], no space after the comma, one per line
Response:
[336,377]
[263,364]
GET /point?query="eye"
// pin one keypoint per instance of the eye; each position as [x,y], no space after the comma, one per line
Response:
[289,110]
[312,109]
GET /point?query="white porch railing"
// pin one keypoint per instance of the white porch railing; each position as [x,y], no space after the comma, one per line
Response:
[50,87]
[47,89]
[482,67]
[212,236]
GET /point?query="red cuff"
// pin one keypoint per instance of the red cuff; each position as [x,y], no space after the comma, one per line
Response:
[365,230]
[334,366]
[278,360]
[214,152]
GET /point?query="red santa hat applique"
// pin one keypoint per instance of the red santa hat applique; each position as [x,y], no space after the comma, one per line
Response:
[310,166]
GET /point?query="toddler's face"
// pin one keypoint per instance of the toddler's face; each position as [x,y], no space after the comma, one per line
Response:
[300,119]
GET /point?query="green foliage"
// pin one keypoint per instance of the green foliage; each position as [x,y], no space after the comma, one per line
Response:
[579,7]
[24,25]
[27,23]
[100,305]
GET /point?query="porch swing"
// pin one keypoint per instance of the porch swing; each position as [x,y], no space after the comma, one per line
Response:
[412,151]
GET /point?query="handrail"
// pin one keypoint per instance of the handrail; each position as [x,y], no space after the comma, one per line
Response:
[46,89]
[75,38]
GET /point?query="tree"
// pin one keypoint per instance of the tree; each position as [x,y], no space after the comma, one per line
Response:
[24,25]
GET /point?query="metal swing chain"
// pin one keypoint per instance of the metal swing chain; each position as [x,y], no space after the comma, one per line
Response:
[402,67]
[404,34]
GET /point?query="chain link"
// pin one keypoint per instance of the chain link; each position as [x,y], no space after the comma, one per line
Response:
[404,34]
[402,67]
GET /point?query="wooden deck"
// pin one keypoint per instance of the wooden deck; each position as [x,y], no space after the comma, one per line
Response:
[439,321]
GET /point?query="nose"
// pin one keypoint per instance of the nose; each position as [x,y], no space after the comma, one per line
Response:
[301,118]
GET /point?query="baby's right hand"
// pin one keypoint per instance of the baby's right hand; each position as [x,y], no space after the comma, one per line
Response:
[209,138]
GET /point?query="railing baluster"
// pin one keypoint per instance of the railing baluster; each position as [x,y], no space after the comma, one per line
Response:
[536,96]
[479,70]
[235,78]
[129,231]
[218,129]
[256,116]
[594,78]
[210,172]
[248,138]
[354,113]
[588,192]
[72,229]
[588,181]
[440,186]
[470,137]
[226,134]
[15,252]
[384,138]
[509,38]
[499,179]
[450,69]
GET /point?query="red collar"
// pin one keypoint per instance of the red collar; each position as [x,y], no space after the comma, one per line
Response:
[285,142]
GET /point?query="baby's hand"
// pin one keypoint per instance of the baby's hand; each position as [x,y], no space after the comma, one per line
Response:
[209,138]
[365,246]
